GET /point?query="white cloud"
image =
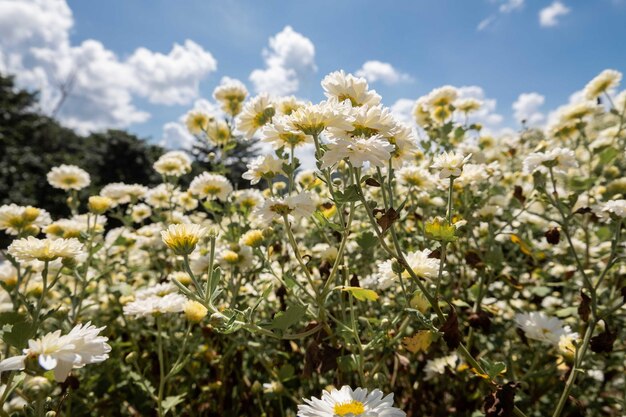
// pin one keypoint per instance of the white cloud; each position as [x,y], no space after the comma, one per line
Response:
[290,57]
[511,5]
[35,44]
[526,108]
[506,7]
[402,110]
[484,24]
[384,72]
[549,16]
[172,78]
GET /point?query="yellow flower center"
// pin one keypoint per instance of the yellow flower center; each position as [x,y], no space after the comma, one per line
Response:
[280,208]
[353,407]
[212,189]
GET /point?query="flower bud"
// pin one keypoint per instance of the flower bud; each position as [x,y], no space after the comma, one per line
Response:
[37,387]
[397,267]
[98,204]
[131,358]
[194,311]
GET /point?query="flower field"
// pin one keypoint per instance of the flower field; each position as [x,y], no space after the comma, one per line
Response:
[427,271]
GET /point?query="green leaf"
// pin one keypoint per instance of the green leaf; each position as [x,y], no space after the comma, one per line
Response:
[367,240]
[607,155]
[21,329]
[361,294]
[172,401]
[349,195]
[285,319]
[286,372]
[324,221]
[141,382]
[493,369]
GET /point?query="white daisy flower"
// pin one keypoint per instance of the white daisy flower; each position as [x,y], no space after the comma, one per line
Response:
[360,151]
[611,208]
[81,346]
[539,326]
[350,403]
[68,177]
[211,186]
[342,87]
[31,248]
[264,166]
[560,159]
[255,114]
[148,306]
[14,219]
[295,206]
[173,164]
[601,83]
[450,164]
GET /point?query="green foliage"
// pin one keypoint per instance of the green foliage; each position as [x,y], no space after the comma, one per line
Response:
[32,143]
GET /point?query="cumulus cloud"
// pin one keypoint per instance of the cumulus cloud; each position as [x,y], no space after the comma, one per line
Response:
[289,58]
[384,72]
[173,78]
[95,87]
[549,16]
[526,109]
[402,110]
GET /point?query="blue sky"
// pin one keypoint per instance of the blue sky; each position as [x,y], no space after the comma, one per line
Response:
[431,42]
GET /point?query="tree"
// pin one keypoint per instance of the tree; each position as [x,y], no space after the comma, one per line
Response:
[32,143]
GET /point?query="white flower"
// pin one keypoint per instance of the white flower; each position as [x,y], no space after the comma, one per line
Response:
[366,121]
[312,119]
[182,238]
[442,96]
[602,82]
[14,219]
[280,134]
[438,366]
[350,403]
[140,212]
[169,303]
[173,164]
[450,164]
[159,196]
[360,150]
[31,248]
[211,186]
[539,326]
[230,93]
[256,113]
[264,166]
[616,208]
[8,273]
[342,86]
[122,193]
[560,159]
[295,207]
[420,263]
[248,199]
[417,177]
[68,177]
[81,346]
[403,138]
